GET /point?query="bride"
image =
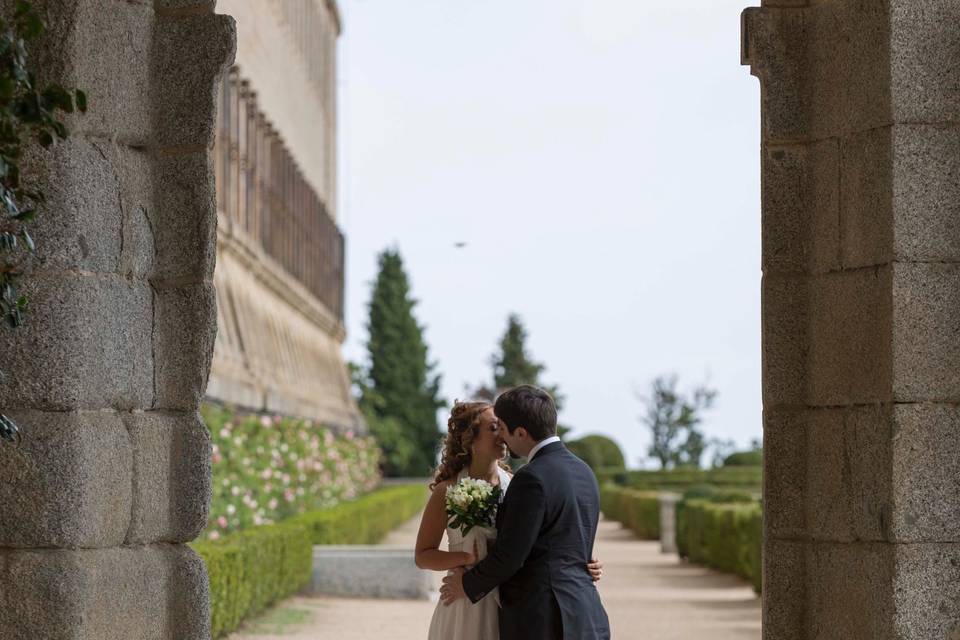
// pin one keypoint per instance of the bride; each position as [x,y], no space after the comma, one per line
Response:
[473,448]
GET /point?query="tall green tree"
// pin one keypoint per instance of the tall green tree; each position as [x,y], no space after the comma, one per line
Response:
[514,365]
[400,389]
[673,418]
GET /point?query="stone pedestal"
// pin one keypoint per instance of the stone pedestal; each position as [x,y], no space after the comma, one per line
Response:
[861,300]
[668,522]
[105,378]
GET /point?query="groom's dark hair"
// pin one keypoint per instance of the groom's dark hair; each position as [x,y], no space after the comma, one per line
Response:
[529,407]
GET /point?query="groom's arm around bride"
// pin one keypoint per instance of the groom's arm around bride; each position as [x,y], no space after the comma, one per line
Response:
[545,532]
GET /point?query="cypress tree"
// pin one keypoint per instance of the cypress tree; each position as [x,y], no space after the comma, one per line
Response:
[401,386]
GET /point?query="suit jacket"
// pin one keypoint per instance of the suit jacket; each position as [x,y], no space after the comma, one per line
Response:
[545,532]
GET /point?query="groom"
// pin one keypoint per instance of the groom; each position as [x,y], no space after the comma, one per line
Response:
[545,531]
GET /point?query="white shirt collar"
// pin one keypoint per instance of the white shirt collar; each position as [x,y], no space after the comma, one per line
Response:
[541,445]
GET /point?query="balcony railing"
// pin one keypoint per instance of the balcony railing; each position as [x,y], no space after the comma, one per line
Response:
[261,189]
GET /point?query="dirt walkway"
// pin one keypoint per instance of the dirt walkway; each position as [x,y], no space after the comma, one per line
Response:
[648,595]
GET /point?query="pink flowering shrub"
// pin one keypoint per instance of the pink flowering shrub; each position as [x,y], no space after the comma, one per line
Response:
[268,468]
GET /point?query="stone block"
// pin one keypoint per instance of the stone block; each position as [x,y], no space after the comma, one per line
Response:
[926,342]
[801,207]
[847,493]
[171,477]
[848,589]
[185,218]
[784,589]
[773,45]
[68,482]
[181,7]
[849,359]
[183,338]
[924,72]
[866,219]
[785,472]
[926,192]
[148,593]
[926,592]
[85,344]
[190,53]
[926,473]
[846,67]
[368,571]
[80,225]
[784,339]
[105,52]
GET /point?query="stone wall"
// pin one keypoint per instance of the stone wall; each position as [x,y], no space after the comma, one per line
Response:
[106,377]
[861,300]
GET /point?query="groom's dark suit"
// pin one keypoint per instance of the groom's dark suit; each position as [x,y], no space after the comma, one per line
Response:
[545,531]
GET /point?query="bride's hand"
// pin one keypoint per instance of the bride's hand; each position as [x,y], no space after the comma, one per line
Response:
[596,569]
[470,557]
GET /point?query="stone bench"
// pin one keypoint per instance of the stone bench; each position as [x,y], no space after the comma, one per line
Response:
[369,571]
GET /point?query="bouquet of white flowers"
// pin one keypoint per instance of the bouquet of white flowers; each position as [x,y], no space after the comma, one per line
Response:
[472,503]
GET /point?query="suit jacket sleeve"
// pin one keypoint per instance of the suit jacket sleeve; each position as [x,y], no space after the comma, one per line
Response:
[523,512]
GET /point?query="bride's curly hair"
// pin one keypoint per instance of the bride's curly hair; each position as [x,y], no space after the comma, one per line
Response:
[462,428]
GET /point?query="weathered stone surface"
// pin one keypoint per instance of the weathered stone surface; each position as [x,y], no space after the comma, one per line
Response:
[848,589]
[184,334]
[148,593]
[68,483]
[926,473]
[79,226]
[926,348]
[784,589]
[176,7]
[185,219]
[190,54]
[866,220]
[171,481]
[849,359]
[801,207]
[847,495]
[106,52]
[785,472]
[784,339]
[924,67]
[85,345]
[926,192]
[926,591]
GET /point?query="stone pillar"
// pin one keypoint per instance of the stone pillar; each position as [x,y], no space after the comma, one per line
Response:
[668,522]
[861,309]
[105,378]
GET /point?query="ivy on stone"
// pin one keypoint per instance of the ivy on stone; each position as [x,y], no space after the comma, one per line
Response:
[27,113]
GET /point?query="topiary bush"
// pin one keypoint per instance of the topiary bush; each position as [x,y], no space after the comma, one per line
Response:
[599,452]
[752,458]
[268,468]
[250,570]
[639,511]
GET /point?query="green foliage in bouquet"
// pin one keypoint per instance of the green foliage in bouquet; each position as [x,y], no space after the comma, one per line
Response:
[471,503]
[267,468]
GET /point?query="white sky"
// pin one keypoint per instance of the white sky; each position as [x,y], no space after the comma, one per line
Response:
[600,157]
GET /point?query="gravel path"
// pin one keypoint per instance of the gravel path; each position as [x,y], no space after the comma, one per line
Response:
[648,595]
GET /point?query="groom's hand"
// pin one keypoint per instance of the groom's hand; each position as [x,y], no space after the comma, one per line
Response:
[452,589]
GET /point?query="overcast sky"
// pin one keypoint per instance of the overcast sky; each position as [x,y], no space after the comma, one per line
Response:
[600,158]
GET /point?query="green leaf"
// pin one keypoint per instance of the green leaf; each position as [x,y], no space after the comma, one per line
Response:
[81,101]
[28,240]
[27,215]
[45,139]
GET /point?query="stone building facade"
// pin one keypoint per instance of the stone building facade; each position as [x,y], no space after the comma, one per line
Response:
[280,255]
[861,310]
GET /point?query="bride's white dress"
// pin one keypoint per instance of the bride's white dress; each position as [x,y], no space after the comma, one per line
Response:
[464,620]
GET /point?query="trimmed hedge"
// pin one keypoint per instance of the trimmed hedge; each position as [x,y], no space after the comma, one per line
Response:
[639,511]
[367,520]
[726,536]
[251,569]
[599,452]
[745,478]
